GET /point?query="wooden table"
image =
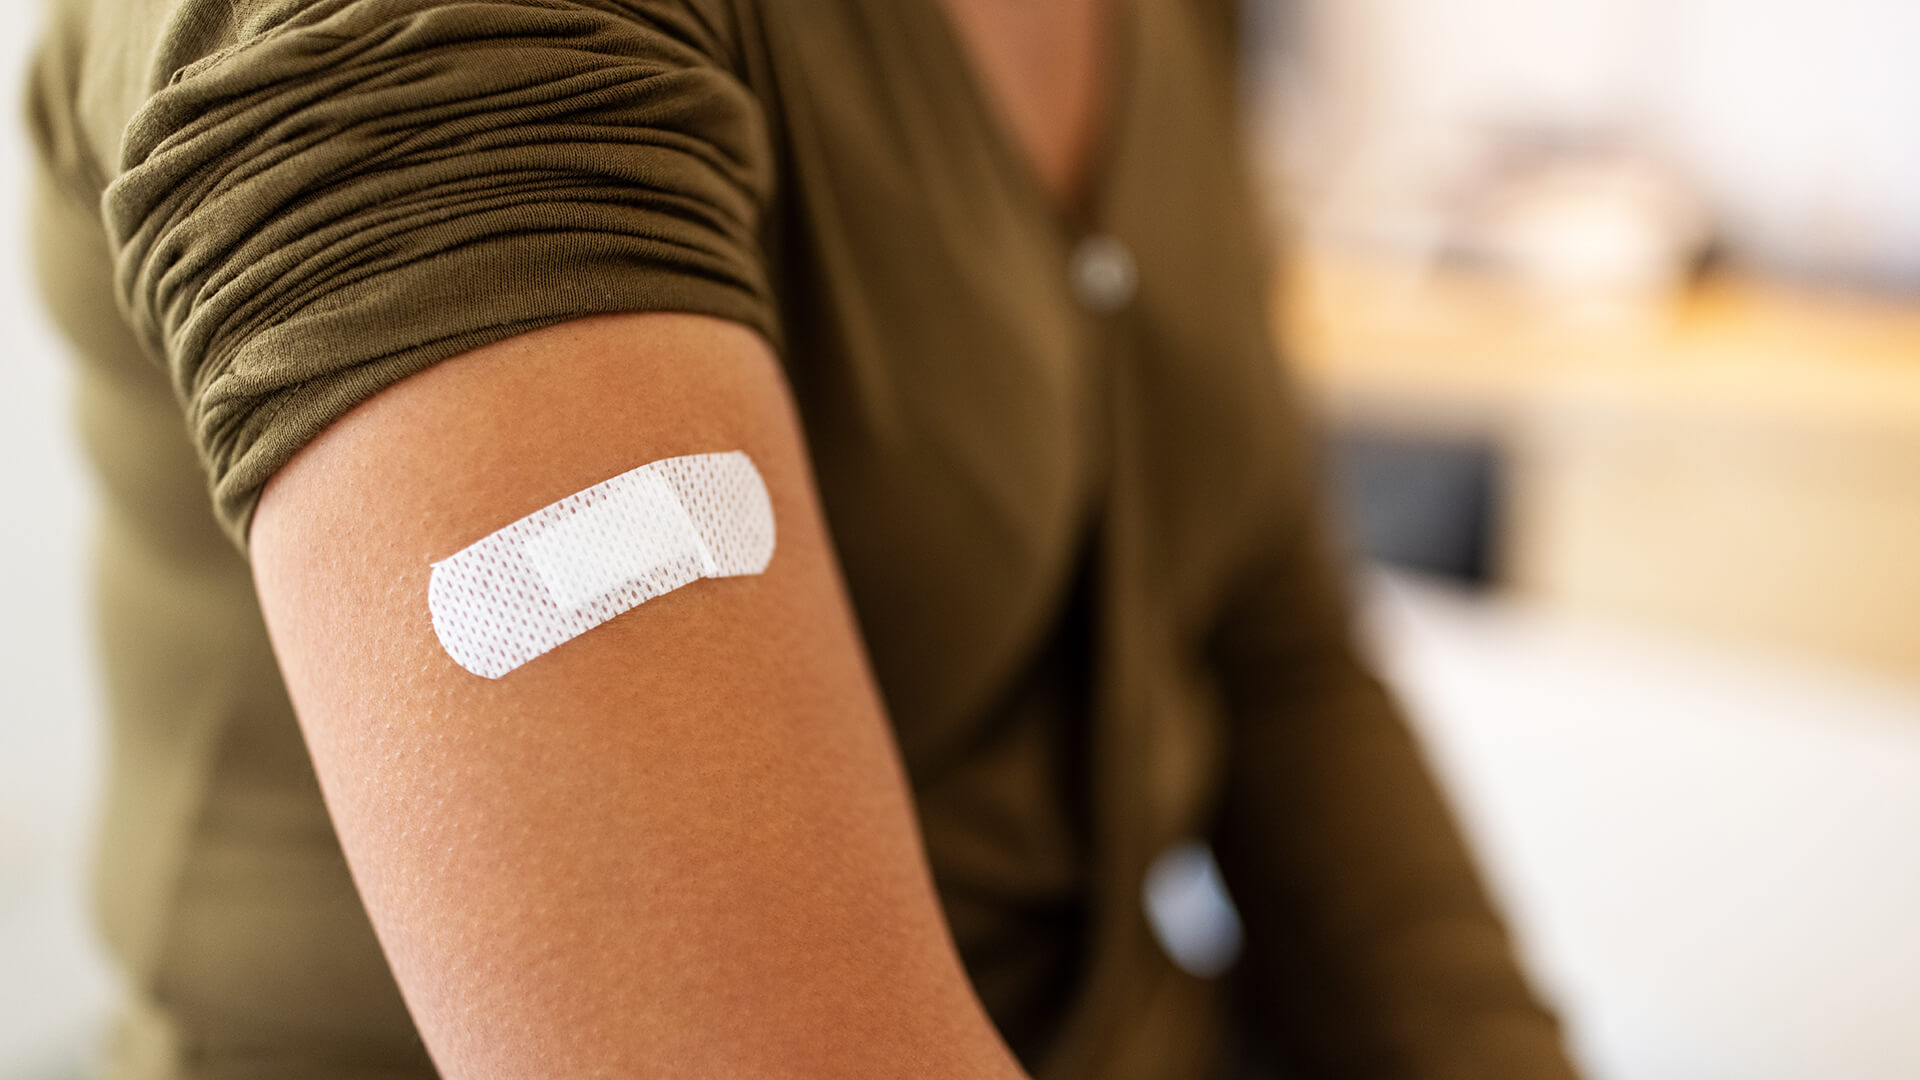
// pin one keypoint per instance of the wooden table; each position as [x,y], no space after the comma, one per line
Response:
[1744,461]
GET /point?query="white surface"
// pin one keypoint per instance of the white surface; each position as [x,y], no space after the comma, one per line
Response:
[1712,860]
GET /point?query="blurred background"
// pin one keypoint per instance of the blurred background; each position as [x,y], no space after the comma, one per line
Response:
[55,990]
[1611,309]
[1612,312]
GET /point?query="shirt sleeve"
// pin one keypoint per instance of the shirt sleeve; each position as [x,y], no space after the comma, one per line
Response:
[317,199]
[1375,952]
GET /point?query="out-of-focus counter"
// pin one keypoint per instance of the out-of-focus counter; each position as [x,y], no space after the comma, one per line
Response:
[1745,462]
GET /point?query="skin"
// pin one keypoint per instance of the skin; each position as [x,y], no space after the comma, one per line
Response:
[1044,64]
[680,844]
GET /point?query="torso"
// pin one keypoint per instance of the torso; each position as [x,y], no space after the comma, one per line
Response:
[1038,491]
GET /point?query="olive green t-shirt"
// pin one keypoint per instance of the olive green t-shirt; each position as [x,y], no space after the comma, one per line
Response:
[1055,448]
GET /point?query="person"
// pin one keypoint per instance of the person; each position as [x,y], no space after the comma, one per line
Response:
[978,287]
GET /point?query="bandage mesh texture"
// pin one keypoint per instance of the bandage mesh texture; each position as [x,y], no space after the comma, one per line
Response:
[568,567]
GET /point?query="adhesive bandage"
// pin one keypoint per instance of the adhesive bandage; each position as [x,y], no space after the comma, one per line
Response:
[568,567]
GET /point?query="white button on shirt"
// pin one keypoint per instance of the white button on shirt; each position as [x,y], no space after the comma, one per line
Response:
[1103,272]
[1190,911]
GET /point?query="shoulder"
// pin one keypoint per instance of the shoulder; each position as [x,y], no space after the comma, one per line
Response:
[309,200]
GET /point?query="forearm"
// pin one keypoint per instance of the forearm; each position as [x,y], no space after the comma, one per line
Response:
[1376,953]
[1374,949]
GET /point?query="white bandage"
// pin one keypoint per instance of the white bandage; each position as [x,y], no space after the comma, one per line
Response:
[566,568]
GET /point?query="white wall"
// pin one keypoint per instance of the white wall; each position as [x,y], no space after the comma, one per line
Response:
[53,985]
[1799,119]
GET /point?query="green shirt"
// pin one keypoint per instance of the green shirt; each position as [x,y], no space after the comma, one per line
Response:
[1056,451]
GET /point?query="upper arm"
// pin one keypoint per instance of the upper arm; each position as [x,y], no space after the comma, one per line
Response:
[417,268]
[681,838]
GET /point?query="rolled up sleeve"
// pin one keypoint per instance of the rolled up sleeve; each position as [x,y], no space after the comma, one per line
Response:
[311,207]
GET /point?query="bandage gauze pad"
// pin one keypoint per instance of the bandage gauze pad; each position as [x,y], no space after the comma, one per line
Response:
[566,568]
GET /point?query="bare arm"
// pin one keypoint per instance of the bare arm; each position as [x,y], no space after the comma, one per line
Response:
[678,845]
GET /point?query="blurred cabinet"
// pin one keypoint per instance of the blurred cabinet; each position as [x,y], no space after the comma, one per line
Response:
[1744,462]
